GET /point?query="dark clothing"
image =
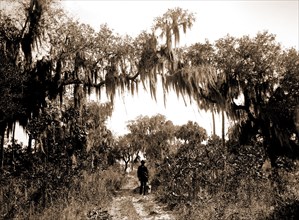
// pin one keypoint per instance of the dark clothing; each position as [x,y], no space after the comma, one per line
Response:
[142,187]
[142,174]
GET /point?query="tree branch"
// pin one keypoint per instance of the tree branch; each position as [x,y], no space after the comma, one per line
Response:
[246,109]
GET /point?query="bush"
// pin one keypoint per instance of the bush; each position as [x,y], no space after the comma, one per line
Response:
[91,191]
[287,211]
[57,195]
[195,167]
[205,181]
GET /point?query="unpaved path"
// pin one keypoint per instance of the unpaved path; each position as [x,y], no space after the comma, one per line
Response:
[128,204]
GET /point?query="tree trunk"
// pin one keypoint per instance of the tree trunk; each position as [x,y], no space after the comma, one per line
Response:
[126,164]
[13,146]
[92,161]
[127,158]
[29,148]
[213,123]
[223,128]
[2,148]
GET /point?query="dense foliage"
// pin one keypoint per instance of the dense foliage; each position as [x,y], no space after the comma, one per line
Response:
[49,63]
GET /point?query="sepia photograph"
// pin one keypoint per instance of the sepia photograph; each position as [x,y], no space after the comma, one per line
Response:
[149,110]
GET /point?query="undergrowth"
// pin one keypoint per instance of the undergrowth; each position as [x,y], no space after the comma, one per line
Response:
[74,198]
[207,182]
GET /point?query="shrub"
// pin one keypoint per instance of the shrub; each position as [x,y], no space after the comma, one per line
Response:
[58,197]
[205,181]
[90,191]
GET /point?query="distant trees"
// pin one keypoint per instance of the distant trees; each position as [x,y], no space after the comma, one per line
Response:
[125,150]
[150,137]
[154,135]
[156,138]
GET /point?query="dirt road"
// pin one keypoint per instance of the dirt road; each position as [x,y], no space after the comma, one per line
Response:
[128,204]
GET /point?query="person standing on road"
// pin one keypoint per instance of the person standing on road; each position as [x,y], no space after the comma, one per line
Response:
[142,174]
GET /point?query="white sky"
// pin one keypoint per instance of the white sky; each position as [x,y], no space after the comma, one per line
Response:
[214,20]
